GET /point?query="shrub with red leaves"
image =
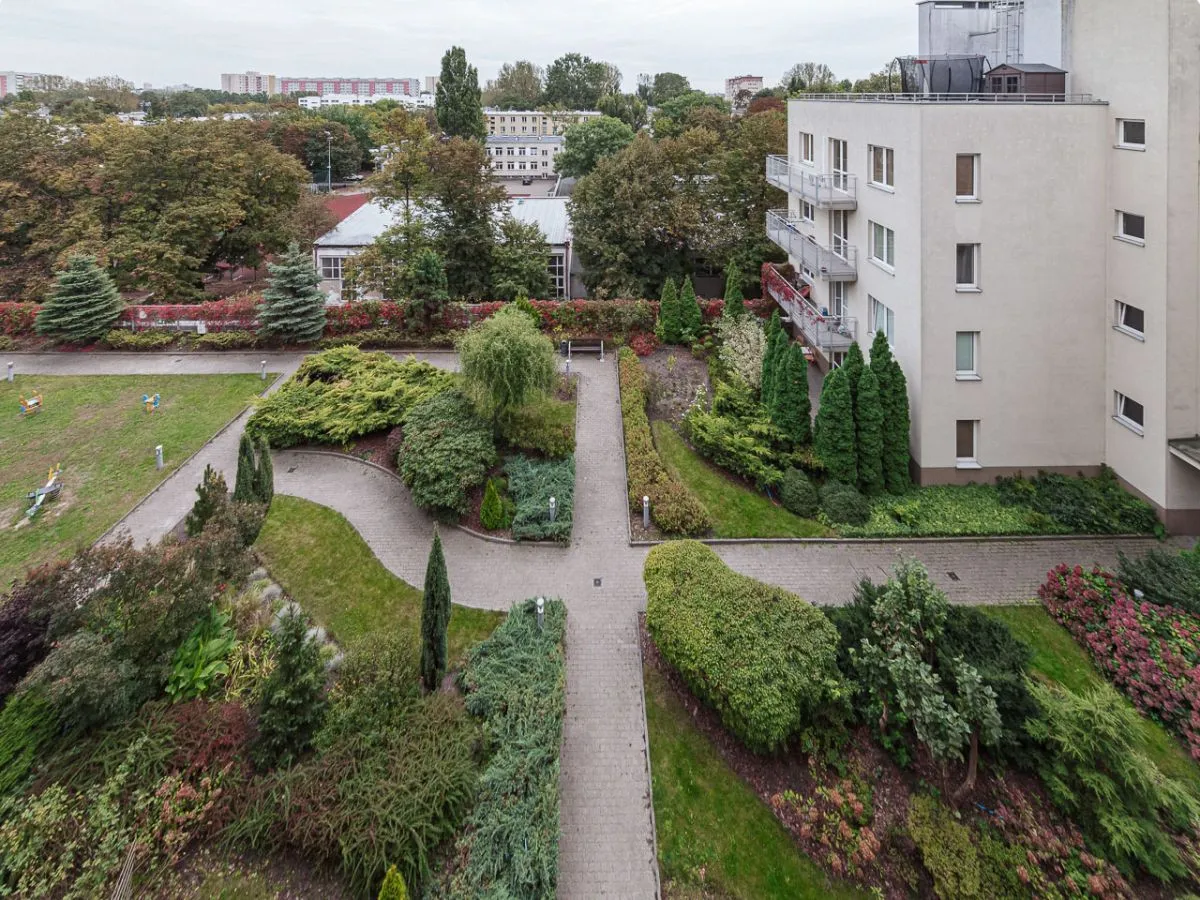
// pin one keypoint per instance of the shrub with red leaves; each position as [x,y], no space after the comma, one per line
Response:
[210,736]
[643,344]
[18,318]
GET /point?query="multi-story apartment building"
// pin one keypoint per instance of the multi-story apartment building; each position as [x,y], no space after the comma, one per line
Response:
[530,156]
[249,83]
[386,87]
[533,122]
[420,101]
[742,85]
[14,82]
[1032,257]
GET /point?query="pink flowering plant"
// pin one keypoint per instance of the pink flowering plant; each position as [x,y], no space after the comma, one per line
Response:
[1150,652]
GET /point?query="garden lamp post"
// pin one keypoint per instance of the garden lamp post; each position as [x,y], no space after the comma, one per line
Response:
[329,162]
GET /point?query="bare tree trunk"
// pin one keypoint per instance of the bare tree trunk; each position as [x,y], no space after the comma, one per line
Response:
[972,769]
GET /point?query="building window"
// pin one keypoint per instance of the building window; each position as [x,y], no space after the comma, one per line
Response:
[806,147]
[966,362]
[966,267]
[1131,228]
[966,176]
[839,232]
[838,163]
[558,275]
[331,267]
[544,152]
[1129,413]
[837,299]
[882,319]
[1131,134]
[883,245]
[1130,319]
[521,151]
[808,212]
[521,165]
[883,167]
[966,435]
[511,165]
[510,151]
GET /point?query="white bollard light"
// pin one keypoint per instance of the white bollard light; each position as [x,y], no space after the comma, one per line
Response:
[158,457]
[553,509]
[541,611]
[262,371]
[646,512]
[10,374]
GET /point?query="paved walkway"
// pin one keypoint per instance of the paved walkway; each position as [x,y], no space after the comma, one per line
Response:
[607,845]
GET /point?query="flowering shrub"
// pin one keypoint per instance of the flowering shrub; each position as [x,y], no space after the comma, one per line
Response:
[1152,653]
[18,318]
[643,343]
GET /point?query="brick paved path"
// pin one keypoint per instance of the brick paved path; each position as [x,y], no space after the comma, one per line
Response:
[607,845]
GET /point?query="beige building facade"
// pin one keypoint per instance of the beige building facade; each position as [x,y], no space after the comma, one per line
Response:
[527,122]
[1034,263]
[249,83]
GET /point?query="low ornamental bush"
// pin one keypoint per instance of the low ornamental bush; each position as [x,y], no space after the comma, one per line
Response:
[843,505]
[515,681]
[532,483]
[17,319]
[1168,579]
[736,434]
[120,339]
[227,340]
[546,426]
[673,507]
[1150,652]
[797,494]
[762,657]
[1082,505]
[447,451]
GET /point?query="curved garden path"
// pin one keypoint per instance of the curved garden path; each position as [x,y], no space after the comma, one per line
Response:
[607,845]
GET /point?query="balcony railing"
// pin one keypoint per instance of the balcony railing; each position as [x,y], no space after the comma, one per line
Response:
[807,253]
[836,191]
[826,334]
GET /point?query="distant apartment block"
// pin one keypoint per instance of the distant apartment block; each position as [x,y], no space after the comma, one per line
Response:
[250,83]
[533,122]
[1027,236]
[15,82]
[742,85]
[382,87]
[431,84]
[420,101]
[530,156]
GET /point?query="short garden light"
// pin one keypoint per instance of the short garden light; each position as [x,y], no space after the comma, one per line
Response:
[541,610]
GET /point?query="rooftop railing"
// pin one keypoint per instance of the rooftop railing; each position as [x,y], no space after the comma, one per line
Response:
[950,98]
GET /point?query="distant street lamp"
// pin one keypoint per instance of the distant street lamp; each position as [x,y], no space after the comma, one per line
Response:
[328,162]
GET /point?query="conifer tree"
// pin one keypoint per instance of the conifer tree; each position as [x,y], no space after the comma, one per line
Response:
[790,411]
[435,617]
[834,440]
[881,365]
[84,304]
[393,887]
[777,345]
[211,496]
[264,475]
[245,486]
[853,364]
[668,313]
[734,301]
[491,513]
[691,319]
[895,435]
[292,307]
[768,371]
[293,702]
[868,417]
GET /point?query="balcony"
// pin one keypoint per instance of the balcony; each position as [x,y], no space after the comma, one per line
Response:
[837,191]
[824,333]
[806,253]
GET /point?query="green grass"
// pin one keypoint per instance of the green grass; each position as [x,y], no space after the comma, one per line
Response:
[324,565]
[709,821]
[96,429]
[944,511]
[737,511]
[1059,658]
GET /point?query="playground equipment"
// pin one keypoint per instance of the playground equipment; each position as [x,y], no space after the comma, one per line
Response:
[51,490]
[31,406]
[150,404]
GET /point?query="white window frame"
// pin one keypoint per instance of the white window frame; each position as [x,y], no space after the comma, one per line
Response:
[888,260]
[558,275]
[972,286]
[839,151]
[1120,317]
[972,461]
[888,159]
[874,310]
[972,197]
[970,373]
[1123,143]
[1123,235]
[837,299]
[807,144]
[332,267]
[808,212]
[1121,410]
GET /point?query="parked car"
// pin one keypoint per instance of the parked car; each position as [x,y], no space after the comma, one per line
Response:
[526,181]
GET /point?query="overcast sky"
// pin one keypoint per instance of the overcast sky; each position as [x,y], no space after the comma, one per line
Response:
[194,41]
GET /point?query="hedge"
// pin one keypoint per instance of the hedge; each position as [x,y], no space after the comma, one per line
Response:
[673,507]
[762,657]
[516,682]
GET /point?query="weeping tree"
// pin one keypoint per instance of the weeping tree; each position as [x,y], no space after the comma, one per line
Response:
[292,307]
[84,304]
[506,361]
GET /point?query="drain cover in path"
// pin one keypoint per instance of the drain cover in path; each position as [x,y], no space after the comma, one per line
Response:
[597,582]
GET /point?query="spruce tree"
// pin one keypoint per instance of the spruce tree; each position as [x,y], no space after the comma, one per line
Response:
[868,417]
[293,702]
[427,286]
[84,304]
[834,440]
[734,301]
[264,475]
[895,435]
[292,307]
[245,486]
[668,313]
[435,617]
[458,102]
[691,319]
[393,887]
[211,496]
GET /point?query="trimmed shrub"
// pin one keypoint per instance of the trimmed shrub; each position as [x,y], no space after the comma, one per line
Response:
[447,451]
[843,505]
[516,682]
[946,848]
[797,494]
[120,339]
[1082,505]
[673,507]
[531,484]
[226,340]
[1168,579]
[491,512]
[760,656]
[545,425]
[393,887]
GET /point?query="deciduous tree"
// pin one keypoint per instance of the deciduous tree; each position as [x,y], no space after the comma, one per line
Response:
[292,307]
[506,361]
[684,111]
[575,81]
[589,141]
[435,617]
[517,85]
[458,103]
[629,108]
[426,283]
[464,203]
[809,77]
[520,262]
[668,86]
[84,305]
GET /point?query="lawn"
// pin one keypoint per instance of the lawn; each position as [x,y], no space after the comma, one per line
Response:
[1059,658]
[321,561]
[945,511]
[715,837]
[96,429]
[737,511]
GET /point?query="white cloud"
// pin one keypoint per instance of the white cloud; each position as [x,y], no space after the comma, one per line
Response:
[194,41]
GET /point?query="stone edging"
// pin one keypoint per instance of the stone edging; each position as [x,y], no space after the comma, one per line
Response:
[902,539]
[637,627]
[553,545]
[112,529]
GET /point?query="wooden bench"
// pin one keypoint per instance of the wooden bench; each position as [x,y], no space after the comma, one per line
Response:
[568,348]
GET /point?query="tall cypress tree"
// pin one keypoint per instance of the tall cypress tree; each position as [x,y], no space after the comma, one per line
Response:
[768,372]
[668,313]
[834,440]
[777,348]
[868,416]
[458,103]
[691,319]
[245,486]
[853,365]
[735,305]
[292,307]
[881,365]
[895,435]
[791,411]
[264,474]
[84,304]
[435,617]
